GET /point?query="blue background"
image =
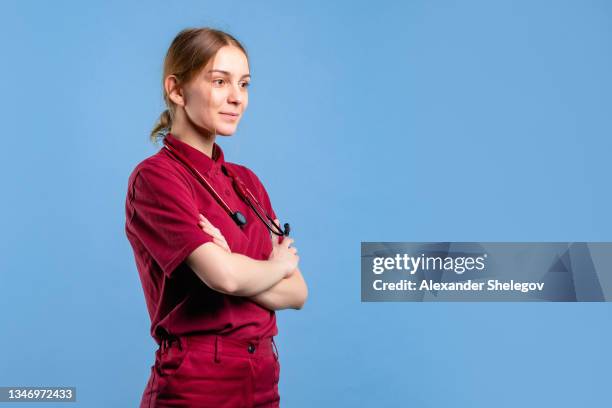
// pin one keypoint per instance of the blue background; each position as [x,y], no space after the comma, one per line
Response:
[368,121]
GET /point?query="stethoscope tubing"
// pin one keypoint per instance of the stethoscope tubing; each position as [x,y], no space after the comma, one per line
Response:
[199,176]
[242,190]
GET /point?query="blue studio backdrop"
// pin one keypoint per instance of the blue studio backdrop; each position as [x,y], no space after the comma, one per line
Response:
[368,121]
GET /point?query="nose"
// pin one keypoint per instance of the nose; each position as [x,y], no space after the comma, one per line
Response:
[235,95]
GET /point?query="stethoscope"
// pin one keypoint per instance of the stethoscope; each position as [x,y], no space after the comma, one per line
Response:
[244,193]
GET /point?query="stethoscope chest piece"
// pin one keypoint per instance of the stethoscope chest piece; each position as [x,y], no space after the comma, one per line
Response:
[239,218]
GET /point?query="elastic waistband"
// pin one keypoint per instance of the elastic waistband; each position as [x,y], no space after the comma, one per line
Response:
[222,345]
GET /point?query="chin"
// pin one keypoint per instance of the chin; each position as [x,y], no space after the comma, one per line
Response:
[226,130]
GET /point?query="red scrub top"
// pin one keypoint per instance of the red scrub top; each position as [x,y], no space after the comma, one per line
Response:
[162,206]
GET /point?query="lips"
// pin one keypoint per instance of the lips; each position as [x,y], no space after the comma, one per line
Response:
[229,116]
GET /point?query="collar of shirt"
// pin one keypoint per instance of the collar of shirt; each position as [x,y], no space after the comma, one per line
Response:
[201,161]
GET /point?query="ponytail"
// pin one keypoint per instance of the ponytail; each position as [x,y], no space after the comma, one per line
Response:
[162,127]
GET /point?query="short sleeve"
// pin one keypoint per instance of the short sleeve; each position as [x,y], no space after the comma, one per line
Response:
[164,217]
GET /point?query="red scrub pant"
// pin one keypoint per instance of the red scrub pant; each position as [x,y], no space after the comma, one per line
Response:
[203,371]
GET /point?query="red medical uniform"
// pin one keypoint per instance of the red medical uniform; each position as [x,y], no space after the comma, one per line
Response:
[215,350]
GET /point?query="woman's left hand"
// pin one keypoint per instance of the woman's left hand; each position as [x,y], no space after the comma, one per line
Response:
[218,238]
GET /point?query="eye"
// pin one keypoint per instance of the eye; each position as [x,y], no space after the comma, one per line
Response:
[219,81]
[246,84]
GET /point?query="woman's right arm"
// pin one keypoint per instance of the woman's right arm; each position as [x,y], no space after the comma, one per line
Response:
[162,215]
[239,275]
[290,292]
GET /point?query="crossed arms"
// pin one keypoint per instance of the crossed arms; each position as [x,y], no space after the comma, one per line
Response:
[275,284]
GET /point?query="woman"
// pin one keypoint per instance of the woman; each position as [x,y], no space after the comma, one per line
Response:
[211,281]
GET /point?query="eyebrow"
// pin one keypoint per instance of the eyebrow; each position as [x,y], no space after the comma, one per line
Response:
[227,73]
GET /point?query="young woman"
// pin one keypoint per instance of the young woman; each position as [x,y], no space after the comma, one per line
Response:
[212,265]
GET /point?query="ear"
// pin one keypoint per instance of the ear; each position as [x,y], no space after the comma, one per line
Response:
[174,90]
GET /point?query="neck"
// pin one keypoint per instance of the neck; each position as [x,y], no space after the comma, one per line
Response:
[202,141]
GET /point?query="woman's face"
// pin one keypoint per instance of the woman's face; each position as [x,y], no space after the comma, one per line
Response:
[216,98]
